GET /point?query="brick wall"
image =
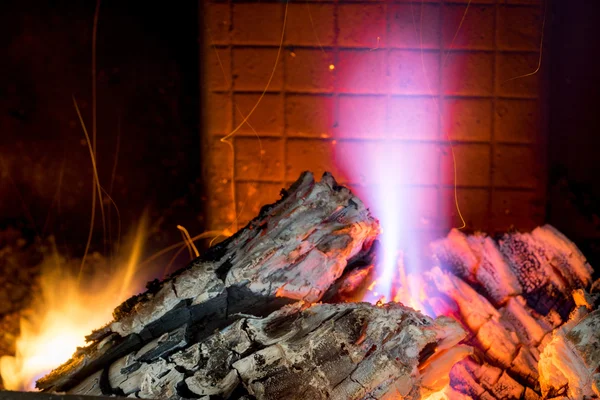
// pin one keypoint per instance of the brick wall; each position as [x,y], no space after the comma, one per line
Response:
[355,79]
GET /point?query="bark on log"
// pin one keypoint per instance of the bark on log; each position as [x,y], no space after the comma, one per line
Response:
[229,325]
[569,362]
[518,298]
[294,250]
[323,351]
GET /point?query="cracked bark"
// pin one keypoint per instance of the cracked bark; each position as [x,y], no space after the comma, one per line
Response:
[519,297]
[294,250]
[300,351]
[238,322]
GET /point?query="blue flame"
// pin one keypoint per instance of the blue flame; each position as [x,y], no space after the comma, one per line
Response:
[396,161]
[385,166]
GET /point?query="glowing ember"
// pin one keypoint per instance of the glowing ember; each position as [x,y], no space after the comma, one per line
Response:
[67,310]
[408,289]
[447,394]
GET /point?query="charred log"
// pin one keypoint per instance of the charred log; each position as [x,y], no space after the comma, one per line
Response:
[294,250]
[518,299]
[570,362]
[341,351]
[240,321]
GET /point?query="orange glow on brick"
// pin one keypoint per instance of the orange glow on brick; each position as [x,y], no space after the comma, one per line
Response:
[331,67]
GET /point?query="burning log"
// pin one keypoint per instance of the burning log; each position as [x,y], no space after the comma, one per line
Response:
[569,362]
[515,298]
[341,351]
[229,325]
[242,321]
[294,250]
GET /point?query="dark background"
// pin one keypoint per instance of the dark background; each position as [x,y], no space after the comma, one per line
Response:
[573,201]
[149,85]
[148,104]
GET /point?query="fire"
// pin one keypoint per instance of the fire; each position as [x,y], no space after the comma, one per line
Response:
[67,309]
[410,289]
[405,288]
[446,394]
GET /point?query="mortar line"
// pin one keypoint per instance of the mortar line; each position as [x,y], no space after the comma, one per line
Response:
[336,81]
[388,75]
[494,105]
[393,94]
[407,140]
[283,94]
[455,50]
[441,98]
[234,193]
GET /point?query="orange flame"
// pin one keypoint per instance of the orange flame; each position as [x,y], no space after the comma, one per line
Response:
[67,310]
[439,395]
[407,289]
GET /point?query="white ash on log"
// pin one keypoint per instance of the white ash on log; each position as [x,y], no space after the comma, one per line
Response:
[321,351]
[294,250]
[569,364]
[515,297]
[241,321]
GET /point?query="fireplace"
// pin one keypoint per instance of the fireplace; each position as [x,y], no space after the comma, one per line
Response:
[355,78]
[443,118]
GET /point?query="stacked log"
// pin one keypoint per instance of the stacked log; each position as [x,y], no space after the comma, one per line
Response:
[518,297]
[516,317]
[242,320]
[320,351]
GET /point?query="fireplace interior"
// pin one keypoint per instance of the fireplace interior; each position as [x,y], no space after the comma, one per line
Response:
[452,190]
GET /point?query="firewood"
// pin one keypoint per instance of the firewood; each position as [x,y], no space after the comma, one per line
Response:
[90,386]
[243,320]
[333,351]
[569,363]
[294,250]
[515,297]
